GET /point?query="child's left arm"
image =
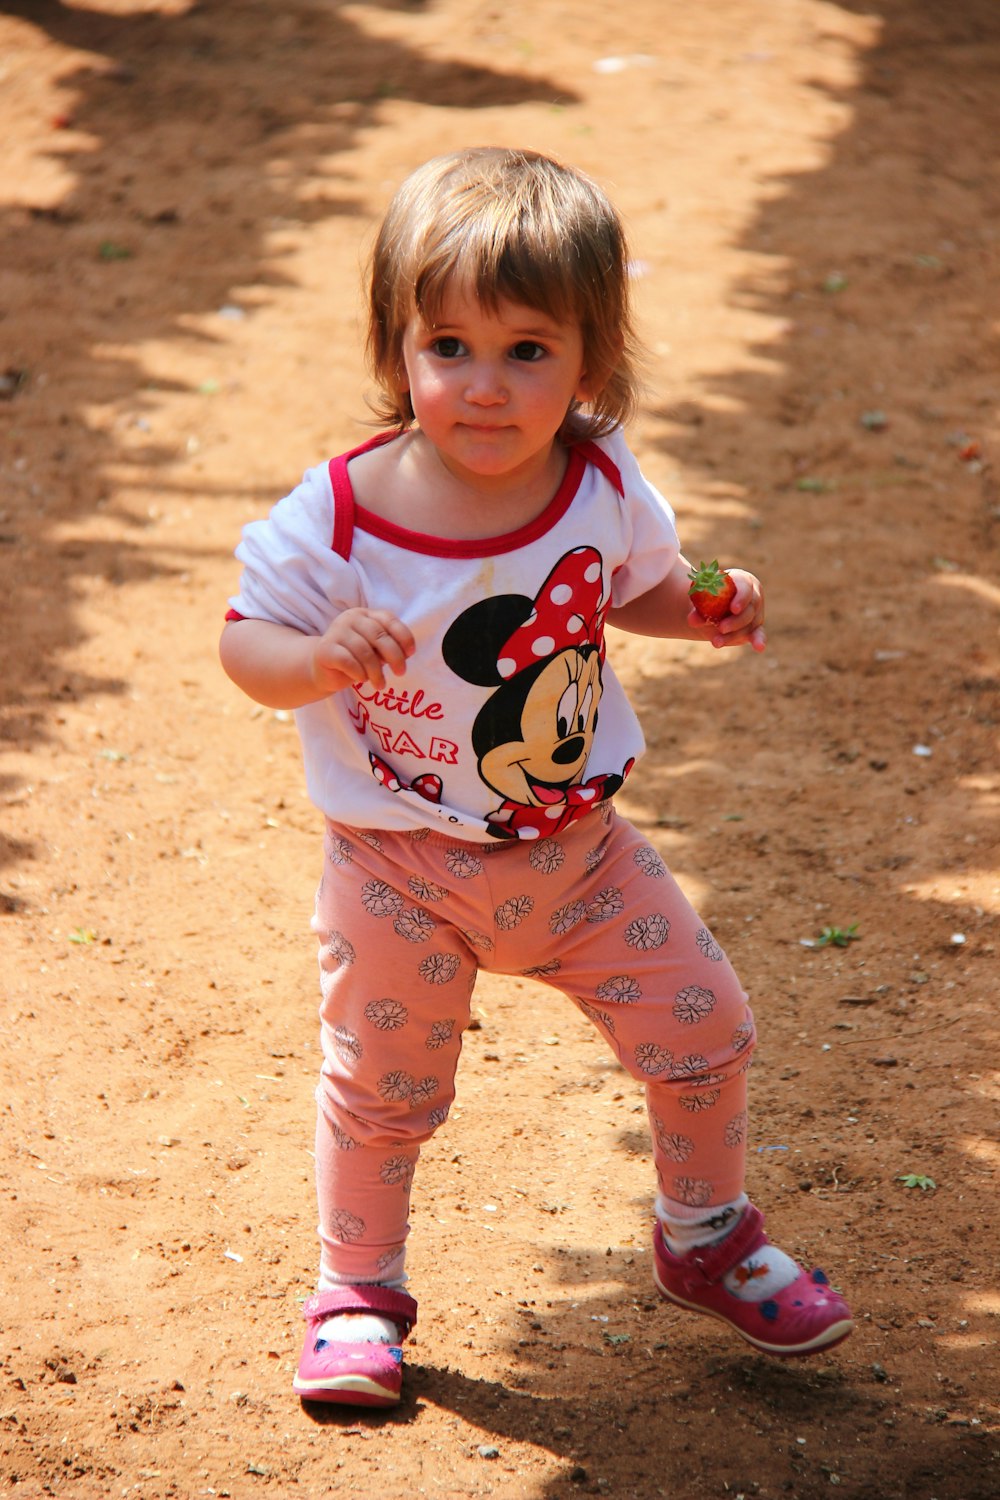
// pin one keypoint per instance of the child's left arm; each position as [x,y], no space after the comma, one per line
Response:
[665,610]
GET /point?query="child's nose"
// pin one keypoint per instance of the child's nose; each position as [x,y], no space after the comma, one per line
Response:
[485,385]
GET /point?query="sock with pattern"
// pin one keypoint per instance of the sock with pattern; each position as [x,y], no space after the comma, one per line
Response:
[758,1276]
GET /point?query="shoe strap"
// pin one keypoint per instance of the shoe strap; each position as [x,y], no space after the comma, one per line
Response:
[713,1261]
[384,1300]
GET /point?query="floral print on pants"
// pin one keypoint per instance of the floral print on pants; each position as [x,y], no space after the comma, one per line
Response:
[406,921]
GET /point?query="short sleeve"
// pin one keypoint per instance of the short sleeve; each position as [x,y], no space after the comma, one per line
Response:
[291,573]
[653,547]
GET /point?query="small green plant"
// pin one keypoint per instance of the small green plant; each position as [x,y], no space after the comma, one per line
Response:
[109,250]
[809,484]
[917,1180]
[837,937]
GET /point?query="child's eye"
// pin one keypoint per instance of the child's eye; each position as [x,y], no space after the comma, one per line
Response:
[527,351]
[448,348]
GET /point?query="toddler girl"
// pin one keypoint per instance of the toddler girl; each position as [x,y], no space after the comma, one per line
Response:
[432,604]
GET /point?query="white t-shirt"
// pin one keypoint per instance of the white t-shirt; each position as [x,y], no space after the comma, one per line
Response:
[508,721]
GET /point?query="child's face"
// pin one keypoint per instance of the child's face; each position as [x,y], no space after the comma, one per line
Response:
[490,390]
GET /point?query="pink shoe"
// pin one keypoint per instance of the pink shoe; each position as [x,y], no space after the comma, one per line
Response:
[803,1318]
[354,1374]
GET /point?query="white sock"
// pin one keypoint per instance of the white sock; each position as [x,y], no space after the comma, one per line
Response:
[357,1328]
[361,1327]
[683,1235]
[760,1275]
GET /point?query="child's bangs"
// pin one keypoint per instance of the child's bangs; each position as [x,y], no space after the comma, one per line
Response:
[498,267]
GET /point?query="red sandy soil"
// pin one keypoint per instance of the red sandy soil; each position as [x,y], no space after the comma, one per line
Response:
[186,191]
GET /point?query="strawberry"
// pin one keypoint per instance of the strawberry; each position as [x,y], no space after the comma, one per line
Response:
[711,590]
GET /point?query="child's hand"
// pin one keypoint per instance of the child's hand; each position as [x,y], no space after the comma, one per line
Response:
[744,624]
[358,646]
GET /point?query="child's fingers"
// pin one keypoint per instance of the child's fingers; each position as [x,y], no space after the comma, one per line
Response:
[745,621]
[738,629]
[361,643]
[743,626]
[394,641]
[748,601]
[754,637]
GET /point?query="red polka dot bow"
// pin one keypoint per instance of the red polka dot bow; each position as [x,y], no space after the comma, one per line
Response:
[568,612]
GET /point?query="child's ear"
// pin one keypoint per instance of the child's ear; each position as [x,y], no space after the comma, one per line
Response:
[585,391]
[597,374]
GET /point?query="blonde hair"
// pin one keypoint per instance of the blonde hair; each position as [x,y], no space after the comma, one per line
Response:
[513,226]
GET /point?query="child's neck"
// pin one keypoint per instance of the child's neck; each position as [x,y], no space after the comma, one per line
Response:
[410,483]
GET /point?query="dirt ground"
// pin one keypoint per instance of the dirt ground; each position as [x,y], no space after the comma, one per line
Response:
[813,192]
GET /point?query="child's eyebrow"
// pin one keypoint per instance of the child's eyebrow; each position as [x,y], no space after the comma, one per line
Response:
[545,330]
[513,335]
[536,336]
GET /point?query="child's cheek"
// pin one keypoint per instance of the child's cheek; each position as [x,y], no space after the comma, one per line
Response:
[429,393]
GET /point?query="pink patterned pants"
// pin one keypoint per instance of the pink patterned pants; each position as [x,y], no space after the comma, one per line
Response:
[405,922]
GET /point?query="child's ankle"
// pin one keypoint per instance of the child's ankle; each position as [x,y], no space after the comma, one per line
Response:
[755,1277]
[683,1233]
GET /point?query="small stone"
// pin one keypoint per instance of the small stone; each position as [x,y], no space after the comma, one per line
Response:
[487,1450]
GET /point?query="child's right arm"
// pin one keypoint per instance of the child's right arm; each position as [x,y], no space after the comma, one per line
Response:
[282,668]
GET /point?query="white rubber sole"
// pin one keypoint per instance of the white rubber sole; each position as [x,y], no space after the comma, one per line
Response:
[365,1392]
[835,1334]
